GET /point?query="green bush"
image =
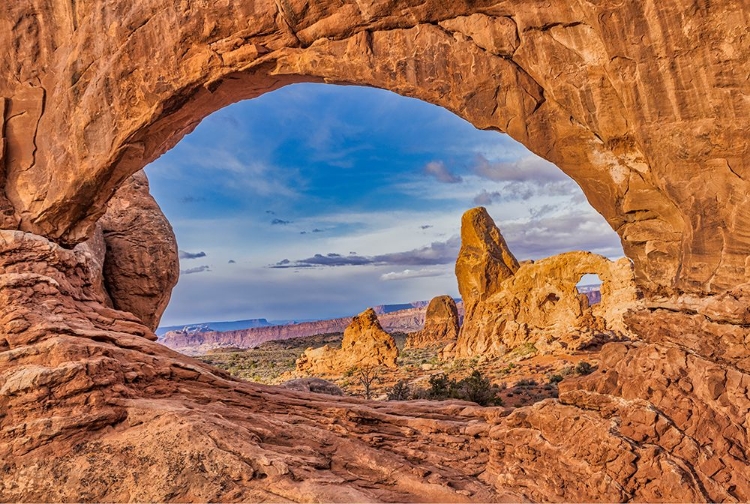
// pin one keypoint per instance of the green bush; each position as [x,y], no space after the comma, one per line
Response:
[555,378]
[475,388]
[478,389]
[441,387]
[399,392]
[584,368]
[526,383]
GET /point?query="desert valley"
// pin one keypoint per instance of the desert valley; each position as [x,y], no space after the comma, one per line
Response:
[558,335]
[567,125]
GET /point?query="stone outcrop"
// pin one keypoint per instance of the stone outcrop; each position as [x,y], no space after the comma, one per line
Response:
[643,104]
[365,343]
[141,265]
[581,84]
[537,302]
[87,401]
[316,385]
[484,260]
[440,327]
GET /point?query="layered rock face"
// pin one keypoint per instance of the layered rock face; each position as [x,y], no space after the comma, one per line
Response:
[140,266]
[581,84]
[509,305]
[193,343]
[643,104]
[440,327]
[365,343]
[87,402]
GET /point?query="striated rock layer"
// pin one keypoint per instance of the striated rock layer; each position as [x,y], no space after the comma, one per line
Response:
[583,85]
[88,402]
[198,342]
[534,302]
[440,327]
[643,104]
[365,343]
[141,266]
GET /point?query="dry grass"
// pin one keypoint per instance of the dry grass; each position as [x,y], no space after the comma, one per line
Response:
[524,376]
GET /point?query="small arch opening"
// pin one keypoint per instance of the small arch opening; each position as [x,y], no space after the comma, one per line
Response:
[590,285]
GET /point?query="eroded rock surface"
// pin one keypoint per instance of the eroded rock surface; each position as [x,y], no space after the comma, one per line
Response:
[581,84]
[484,261]
[87,402]
[141,264]
[643,104]
[365,343]
[534,303]
[440,327]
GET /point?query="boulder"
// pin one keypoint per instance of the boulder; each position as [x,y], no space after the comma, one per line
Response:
[440,327]
[141,264]
[316,385]
[365,343]
[484,260]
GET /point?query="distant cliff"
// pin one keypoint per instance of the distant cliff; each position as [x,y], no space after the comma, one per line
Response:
[194,342]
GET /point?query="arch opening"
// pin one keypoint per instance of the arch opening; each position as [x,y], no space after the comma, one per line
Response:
[590,285]
[349,181]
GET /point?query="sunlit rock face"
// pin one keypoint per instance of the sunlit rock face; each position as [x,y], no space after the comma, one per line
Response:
[441,324]
[582,85]
[365,344]
[509,305]
[141,265]
[644,105]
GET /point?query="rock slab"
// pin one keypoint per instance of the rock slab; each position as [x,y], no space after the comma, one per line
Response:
[441,324]
[365,343]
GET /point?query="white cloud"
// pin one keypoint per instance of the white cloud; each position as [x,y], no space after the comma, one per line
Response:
[529,168]
[408,274]
[441,173]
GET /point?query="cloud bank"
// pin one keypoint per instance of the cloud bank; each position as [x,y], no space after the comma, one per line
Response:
[437,252]
[190,255]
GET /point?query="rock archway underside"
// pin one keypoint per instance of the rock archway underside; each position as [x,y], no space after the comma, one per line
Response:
[644,104]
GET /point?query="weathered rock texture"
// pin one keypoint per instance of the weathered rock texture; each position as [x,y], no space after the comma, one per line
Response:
[440,327]
[317,385]
[644,104]
[581,84]
[509,305]
[484,260]
[365,343]
[140,265]
[90,404]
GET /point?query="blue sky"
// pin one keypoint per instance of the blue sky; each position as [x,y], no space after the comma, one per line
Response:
[316,201]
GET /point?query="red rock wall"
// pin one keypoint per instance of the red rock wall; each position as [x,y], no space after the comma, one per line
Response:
[583,85]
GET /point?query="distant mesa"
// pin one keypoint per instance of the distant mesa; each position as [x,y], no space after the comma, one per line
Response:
[197,339]
[365,343]
[441,325]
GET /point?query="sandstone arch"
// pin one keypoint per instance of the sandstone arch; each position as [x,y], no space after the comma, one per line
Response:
[509,304]
[645,105]
[579,84]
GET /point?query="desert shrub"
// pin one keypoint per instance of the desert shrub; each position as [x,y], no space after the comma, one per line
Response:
[441,387]
[478,389]
[399,392]
[367,375]
[566,371]
[584,368]
[526,383]
[555,378]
